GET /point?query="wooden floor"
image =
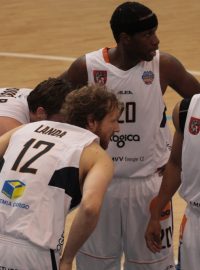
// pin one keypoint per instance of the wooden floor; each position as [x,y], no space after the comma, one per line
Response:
[40,38]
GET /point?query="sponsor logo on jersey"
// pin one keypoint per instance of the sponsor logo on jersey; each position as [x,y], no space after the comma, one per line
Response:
[14,204]
[100,76]
[125,92]
[7,268]
[148,77]
[3,100]
[121,140]
[195,204]
[60,244]
[194,125]
[169,146]
[128,159]
[9,92]
[13,189]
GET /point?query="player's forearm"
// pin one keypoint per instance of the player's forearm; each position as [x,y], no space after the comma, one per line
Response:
[170,183]
[82,226]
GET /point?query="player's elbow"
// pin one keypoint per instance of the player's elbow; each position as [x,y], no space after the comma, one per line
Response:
[91,207]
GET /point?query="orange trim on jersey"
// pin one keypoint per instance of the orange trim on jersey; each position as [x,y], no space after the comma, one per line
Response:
[105,55]
[182,227]
[166,211]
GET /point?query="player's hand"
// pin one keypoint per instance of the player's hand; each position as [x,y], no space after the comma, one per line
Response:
[152,236]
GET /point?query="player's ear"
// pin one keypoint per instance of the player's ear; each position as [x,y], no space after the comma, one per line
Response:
[41,114]
[91,123]
[125,38]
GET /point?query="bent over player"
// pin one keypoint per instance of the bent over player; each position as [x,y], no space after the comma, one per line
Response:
[48,168]
[21,106]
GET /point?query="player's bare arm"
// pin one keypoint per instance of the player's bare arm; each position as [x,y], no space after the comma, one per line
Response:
[78,67]
[174,74]
[7,124]
[98,168]
[4,140]
[170,183]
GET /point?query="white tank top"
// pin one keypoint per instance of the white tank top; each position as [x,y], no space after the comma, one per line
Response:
[13,104]
[36,195]
[190,187]
[133,148]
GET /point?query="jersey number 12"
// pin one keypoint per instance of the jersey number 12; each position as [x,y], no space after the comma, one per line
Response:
[25,168]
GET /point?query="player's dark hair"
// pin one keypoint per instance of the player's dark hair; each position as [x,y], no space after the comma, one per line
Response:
[49,94]
[131,18]
[92,100]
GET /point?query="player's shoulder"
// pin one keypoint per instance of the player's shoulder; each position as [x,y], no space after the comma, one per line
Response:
[77,72]
[95,154]
[80,61]
[169,60]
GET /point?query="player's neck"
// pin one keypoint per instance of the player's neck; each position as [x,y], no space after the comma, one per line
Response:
[121,60]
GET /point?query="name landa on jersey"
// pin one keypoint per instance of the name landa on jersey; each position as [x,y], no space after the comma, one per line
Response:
[50,131]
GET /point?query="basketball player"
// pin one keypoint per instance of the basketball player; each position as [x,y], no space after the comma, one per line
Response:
[182,170]
[47,169]
[137,71]
[21,106]
[14,108]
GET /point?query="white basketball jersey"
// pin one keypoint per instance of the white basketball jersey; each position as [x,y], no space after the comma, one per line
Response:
[190,187]
[40,181]
[13,104]
[133,148]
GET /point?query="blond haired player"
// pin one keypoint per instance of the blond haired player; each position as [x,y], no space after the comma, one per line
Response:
[48,168]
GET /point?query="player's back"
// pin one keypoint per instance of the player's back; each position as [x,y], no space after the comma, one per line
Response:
[39,176]
[14,108]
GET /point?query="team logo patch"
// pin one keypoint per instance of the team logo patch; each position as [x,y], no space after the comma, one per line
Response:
[13,189]
[100,76]
[194,125]
[148,77]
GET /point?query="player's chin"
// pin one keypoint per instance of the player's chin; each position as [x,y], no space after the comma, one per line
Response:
[149,58]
